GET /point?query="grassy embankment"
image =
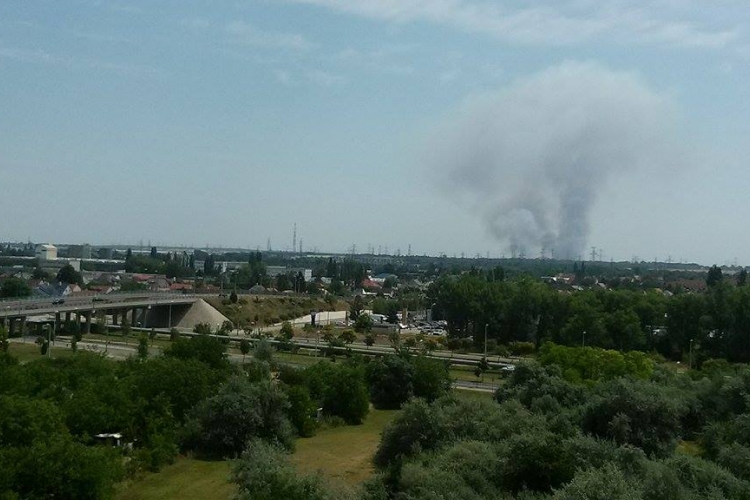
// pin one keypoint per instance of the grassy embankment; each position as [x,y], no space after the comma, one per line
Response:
[260,310]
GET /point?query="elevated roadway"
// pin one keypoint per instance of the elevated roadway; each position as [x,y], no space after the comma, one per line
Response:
[153,309]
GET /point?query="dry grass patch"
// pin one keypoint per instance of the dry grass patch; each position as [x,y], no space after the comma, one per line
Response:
[186,479]
[343,455]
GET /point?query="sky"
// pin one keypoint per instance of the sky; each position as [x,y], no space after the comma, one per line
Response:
[444,126]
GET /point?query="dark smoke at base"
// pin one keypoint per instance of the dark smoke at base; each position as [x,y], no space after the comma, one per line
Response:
[533,157]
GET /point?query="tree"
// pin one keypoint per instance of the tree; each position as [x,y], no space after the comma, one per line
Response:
[81,472]
[204,328]
[431,378]
[142,347]
[356,308]
[283,282]
[742,277]
[40,274]
[181,383]
[26,420]
[391,381]
[43,345]
[263,351]
[299,283]
[714,276]
[203,348]
[125,327]
[263,472]
[348,336]
[4,345]
[637,413]
[416,428]
[337,287]
[370,339]
[345,393]
[287,331]
[221,425]
[301,410]
[68,274]
[363,323]
[244,348]
[14,287]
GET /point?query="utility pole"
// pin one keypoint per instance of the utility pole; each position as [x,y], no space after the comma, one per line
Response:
[485,340]
[294,239]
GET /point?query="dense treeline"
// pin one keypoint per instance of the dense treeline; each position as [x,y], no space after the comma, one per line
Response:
[190,400]
[714,324]
[649,435]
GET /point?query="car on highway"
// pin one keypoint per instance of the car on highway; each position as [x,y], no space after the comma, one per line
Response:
[57,302]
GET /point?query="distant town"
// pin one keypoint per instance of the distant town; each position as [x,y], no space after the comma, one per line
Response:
[105,269]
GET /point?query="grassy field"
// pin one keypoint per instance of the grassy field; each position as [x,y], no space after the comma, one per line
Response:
[343,455]
[29,351]
[186,479]
[297,359]
[466,373]
[469,395]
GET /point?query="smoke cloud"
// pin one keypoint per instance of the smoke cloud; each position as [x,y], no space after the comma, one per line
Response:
[534,157]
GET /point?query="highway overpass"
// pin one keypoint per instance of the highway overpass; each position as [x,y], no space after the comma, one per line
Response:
[152,310]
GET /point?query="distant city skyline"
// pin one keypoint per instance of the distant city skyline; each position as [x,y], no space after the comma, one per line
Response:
[453,126]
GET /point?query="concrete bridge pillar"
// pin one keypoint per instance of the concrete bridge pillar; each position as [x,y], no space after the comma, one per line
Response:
[11,326]
[67,317]
[114,317]
[56,326]
[23,325]
[89,317]
[133,316]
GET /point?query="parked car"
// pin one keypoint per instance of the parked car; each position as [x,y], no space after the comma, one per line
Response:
[57,302]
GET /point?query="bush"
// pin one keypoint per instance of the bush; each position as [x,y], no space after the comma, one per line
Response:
[301,411]
[607,483]
[521,348]
[264,473]
[638,413]
[203,348]
[221,425]
[263,351]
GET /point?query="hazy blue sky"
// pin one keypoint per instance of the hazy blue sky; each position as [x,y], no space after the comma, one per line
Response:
[448,125]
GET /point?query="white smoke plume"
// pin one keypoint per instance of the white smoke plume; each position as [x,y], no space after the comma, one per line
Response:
[534,156]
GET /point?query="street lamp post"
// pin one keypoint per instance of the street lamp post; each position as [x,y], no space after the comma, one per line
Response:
[49,337]
[485,339]
[690,356]
[583,339]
